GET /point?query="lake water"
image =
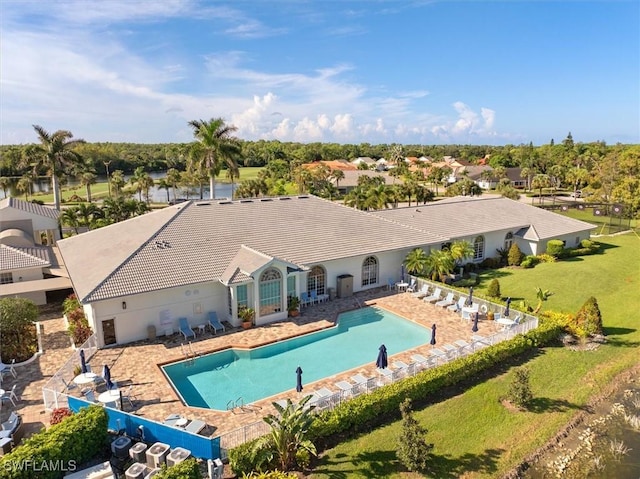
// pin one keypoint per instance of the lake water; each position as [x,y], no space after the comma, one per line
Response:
[157,195]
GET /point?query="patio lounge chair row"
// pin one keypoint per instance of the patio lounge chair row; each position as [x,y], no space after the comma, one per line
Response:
[212,322]
[312,297]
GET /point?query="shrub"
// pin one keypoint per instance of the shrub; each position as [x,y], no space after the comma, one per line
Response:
[76,440]
[70,303]
[529,261]
[78,328]
[585,243]
[270,475]
[58,415]
[490,263]
[546,258]
[19,338]
[515,255]
[555,248]
[241,458]
[494,288]
[588,320]
[520,388]
[413,449]
[188,469]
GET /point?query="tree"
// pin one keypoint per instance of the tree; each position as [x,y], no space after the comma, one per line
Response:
[24,186]
[589,319]
[117,181]
[288,433]
[515,255]
[520,388]
[494,289]
[69,217]
[540,181]
[18,337]
[141,181]
[413,450]
[5,183]
[163,184]
[214,147]
[55,154]
[461,250]
[440,263]
[416,261]
[337,175]
[87,179]
[173,178]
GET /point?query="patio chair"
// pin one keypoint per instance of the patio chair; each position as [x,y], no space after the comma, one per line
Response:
[214,322]
[446,302]
[185,329]
[305,300]
[11,396]
[424,291]
[456,307]
[195,426]
[129,396]
[314,297]
[423,361]
[391,284]
[434,297]
[12,423]
[90,396]
[344,386]
[412,286]
[10,369]
[359,379]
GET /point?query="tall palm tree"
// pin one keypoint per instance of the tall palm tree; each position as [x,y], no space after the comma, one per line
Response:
[416,261]
[337,175]
[24,186]
[69,217]
[540,181]
[55,154]
[163,184]
[440,263]
[117,181]
[173,178]
[461,250]
[5,183]
[214,147]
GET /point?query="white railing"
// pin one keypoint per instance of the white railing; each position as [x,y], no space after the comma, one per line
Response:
[54,392]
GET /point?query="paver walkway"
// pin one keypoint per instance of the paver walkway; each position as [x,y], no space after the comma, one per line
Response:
[138,363]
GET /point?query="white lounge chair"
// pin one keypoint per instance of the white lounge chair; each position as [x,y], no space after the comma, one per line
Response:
[195,426]
[344,386]
[459,305]
[424,291]
[412,287]
[423,361]
[448,301]
[434,297]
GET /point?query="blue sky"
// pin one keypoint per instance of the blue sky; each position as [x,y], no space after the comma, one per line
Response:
[411,72]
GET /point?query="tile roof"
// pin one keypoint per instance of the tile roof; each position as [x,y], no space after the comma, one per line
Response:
[197,241]
[467,216]
[14,257]
[29,207]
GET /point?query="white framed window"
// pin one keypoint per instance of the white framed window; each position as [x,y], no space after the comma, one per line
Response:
[270,292]
[317,280]
[6,278]
[508,240]
[242,300]
[478,247]
[291,286]
[369,271]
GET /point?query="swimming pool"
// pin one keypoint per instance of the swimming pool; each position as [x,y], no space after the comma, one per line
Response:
[213,380]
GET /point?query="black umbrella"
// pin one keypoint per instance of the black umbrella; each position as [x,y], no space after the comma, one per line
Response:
[83,362]
[106,374]
[433,335]
[470,298]
[474,328]
[299,379]
[506,311]
[382,361]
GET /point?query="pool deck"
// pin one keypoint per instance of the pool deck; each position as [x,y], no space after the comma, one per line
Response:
[138,364]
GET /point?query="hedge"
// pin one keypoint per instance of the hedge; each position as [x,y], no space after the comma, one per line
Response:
[75,440]
[368,410]
[188,469]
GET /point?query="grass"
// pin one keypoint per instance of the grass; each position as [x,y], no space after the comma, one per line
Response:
[474,435]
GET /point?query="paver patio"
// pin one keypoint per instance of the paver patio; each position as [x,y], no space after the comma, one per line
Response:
[138,363]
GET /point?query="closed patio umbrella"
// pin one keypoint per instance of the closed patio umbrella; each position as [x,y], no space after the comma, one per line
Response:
[432,342]
[474,328]
[299,379]
[402,273]
[470,298]
[106,374]
[506,311]
[83,362]
[382,361]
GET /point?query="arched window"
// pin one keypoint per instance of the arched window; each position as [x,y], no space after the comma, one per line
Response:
[316,280]
[508,240]
[478,247]
[270,292]
[369,271]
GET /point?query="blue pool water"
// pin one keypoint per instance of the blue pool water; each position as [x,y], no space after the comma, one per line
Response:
[215,379]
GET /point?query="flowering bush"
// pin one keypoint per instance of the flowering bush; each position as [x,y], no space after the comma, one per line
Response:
[57,415]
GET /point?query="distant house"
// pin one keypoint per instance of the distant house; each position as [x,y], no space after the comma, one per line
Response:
[477,173]
[370,162]
[514,175]
[29,264]
[350,180]
[200,256]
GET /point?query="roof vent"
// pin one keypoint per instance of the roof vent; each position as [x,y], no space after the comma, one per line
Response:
[302,197]
[203,204]
[266,199]
[285,198]
[163,244]
[225,202]
[246,201]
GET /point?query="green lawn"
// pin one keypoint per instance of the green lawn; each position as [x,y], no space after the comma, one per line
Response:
[473,434]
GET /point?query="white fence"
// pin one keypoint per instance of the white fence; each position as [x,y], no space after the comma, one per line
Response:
[54,392]
[255,430]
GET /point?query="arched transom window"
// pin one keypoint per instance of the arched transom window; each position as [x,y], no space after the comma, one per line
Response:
[317,280]
[270,292]
[369,271]
[478,247]
[508,240]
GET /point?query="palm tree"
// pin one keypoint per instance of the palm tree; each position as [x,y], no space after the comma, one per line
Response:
[337,175]
[141,181]
[416,261]
[461,250]
[440,263]
[55,154]
[540,181]
[5,183]
[163,184]
[117,181]
[69,217]
[173,178]
[214,147]
[24,186]
[289,429]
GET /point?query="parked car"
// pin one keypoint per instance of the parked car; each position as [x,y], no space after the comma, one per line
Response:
[576,194]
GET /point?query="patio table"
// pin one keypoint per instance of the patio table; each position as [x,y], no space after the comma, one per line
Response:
[85,378]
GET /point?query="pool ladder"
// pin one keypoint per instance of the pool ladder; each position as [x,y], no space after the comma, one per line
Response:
[239,404]
[189,354]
